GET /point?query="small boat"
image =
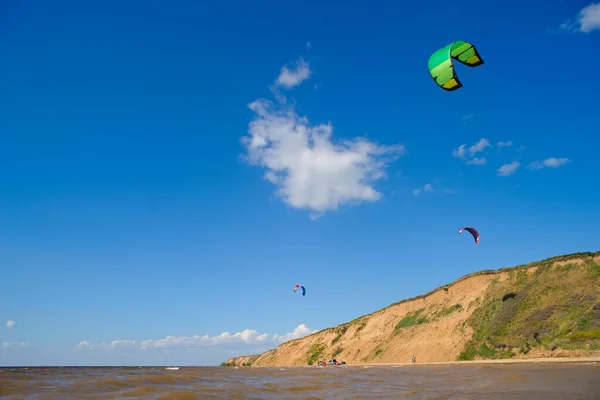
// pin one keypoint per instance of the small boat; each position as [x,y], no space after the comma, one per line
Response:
[172,368]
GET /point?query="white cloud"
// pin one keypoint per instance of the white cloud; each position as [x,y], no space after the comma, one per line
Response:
[308,45]
[551,162]
[464,153]
[587,20]
[508,169]
[84,345]
[501,144]
[10,324]
[245,337]
[115,344]
[309,170]
[293,76]
[300,331]
[460,152]
[477,161]
[466,118]
[479,146]
[20,344]
[426,188]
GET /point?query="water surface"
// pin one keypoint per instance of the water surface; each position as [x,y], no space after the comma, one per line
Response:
[448,382]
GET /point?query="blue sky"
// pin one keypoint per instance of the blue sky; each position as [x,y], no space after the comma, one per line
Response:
[171,171]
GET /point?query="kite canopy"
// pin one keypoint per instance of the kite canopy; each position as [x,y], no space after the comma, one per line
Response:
[473,232]
[300,286]
[441,66]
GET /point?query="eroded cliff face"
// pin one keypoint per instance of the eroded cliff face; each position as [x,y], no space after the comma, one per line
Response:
[441,325]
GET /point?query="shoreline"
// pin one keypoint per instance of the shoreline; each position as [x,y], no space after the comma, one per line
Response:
[541,360]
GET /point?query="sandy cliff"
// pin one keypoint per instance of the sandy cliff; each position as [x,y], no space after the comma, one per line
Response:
[549,308]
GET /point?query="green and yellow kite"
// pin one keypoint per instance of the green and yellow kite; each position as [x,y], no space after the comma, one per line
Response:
[441,66]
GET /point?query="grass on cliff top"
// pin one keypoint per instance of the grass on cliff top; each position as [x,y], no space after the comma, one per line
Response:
[248,363]
[555,307]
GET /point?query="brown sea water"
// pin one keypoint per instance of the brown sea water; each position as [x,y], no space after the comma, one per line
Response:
[516,381]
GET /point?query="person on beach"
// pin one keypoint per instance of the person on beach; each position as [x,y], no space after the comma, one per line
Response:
[414,359]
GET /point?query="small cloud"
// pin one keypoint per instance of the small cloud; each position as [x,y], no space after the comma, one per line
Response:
[245,337]
[460,152]
[521,148]
[508,169]
[477,161]
[464,153]
[290,77]
[466,118]
[19,344]
[479,146]
[115,344]
[500,145]
[10,324]
[300,331]
[426,188]
[308,45]
[587,20]
[551,162]
[83,345]
[469,116]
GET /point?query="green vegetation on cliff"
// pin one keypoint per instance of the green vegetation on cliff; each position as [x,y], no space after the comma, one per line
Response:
[411,320]
[314,352]
[555,307]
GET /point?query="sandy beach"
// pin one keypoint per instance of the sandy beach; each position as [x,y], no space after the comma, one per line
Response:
[546,360]
[541,360]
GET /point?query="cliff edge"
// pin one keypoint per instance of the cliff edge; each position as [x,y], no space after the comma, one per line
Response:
[549,308]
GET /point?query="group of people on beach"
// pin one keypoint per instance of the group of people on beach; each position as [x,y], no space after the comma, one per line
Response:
[331,362]
[335,362]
